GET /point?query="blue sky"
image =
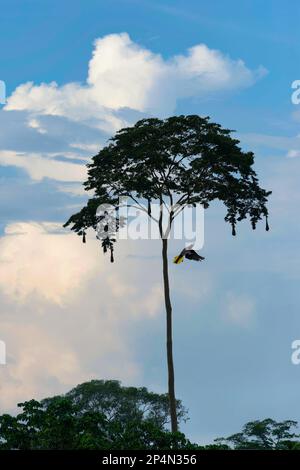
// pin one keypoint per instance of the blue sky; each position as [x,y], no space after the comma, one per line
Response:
[68,316]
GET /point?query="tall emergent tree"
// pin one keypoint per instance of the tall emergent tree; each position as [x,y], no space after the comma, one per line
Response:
[176,162]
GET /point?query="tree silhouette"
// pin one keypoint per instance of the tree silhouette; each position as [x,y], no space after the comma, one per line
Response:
[176,162]
[266,434]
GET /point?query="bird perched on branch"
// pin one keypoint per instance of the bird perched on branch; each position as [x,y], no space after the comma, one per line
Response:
[188,253]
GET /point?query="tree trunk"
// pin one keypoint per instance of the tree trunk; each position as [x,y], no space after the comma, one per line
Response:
[171,384]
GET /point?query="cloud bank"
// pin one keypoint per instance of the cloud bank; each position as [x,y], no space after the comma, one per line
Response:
[65,317]
[125,82]
[123,74]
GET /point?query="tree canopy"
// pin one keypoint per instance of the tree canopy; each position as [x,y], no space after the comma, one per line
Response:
[266,434]
[94,415]
[126,404]
[186,160]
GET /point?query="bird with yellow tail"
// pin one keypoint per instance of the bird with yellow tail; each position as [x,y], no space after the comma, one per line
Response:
[188,253]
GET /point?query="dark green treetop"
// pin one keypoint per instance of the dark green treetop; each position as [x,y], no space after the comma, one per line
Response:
[94,415]
[182,160]
[266,434]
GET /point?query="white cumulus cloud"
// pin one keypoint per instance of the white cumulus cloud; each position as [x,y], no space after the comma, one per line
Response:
[123,74]
[125,81]
[39,166]
[68,314]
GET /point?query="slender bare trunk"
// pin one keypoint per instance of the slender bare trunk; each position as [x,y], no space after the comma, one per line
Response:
[171,382]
